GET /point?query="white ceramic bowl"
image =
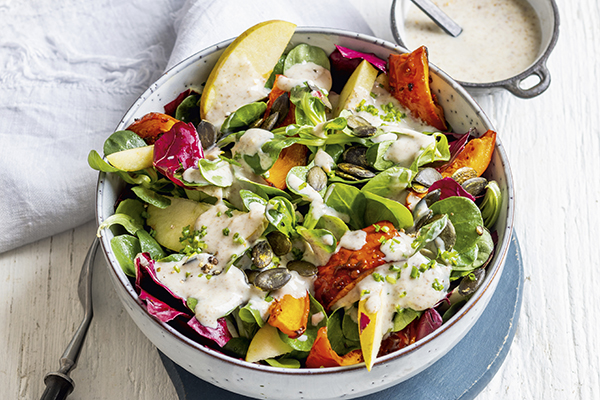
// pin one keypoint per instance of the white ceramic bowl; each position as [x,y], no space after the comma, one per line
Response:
[547,12]
[276,383]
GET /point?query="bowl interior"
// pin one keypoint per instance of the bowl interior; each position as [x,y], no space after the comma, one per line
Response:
[461,112]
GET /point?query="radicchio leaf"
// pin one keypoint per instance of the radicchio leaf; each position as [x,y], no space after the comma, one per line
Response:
[370,57]
[178,149]
[449,188]
[162,311]
[171,107]
[220,335]
[429,322]
[145,267]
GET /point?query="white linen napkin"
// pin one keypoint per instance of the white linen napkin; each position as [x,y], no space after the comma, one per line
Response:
[68,74]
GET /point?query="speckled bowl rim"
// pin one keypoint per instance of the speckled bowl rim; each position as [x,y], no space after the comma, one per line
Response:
[493,272]
[538,68]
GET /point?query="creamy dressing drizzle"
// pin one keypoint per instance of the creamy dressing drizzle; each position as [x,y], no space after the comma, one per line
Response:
[217,295]
[407,147]
[251,143]
[216,220]
[324,160]
[500,38]
[310,72]
[353,240]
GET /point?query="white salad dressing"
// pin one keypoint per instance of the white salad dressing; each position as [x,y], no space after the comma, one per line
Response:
[353,240]
[229,233]
[217,295]
[310,72]
[324,160]
[231,97]
[500,38]
[297,287]
[407,147]
[251,143]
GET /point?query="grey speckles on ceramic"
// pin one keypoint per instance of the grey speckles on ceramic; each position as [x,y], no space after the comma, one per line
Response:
[261,381]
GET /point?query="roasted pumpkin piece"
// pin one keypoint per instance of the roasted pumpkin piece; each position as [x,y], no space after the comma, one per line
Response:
[152,125]
[290,315]
[348,267]
[409,84]
[322,355]
[477,154]
[290,157]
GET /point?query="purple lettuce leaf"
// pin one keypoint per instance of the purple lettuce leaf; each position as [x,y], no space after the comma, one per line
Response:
[166,309]
[449,188]
[357,55]
[177,150]
[171,107]
[145,268]
[158,309]
[220,335]
[430,320]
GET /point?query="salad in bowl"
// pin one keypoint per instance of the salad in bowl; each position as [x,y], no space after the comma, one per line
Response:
[303,207]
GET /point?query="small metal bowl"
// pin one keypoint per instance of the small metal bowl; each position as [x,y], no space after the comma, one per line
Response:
[547,12]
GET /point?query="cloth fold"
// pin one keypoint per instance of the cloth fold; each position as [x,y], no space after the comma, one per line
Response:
[69,73]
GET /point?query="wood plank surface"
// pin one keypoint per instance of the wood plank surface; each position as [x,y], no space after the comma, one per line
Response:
[553,144]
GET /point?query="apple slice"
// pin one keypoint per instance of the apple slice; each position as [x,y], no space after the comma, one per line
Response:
[239,76]
[373,322]
[132,159]
[358,87]
[266,344]
[168,223]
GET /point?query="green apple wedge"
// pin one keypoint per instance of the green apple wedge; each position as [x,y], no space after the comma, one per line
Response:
[266,344]
[246,62]
[358,87]
[373,324]
[168,222]
[135,159]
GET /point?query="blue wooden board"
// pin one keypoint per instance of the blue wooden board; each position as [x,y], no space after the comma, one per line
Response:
[460,374]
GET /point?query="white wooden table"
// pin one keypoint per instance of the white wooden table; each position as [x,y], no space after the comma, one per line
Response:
[553,143]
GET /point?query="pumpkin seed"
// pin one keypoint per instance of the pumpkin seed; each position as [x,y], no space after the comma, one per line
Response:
[464,174]
[475,186]
[281,105]
[280,243]
[356,155]
[262,254]
[317,178]
[272,279]
[355,121]
[346,176]
[364,131]
[470,283]
[207,133]
[271,121]
[303,268]
[427,176]
[355,170]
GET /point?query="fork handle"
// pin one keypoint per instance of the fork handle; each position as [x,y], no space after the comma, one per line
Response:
[58,386]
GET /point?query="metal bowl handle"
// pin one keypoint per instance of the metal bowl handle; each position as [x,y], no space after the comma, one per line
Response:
[541,71]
